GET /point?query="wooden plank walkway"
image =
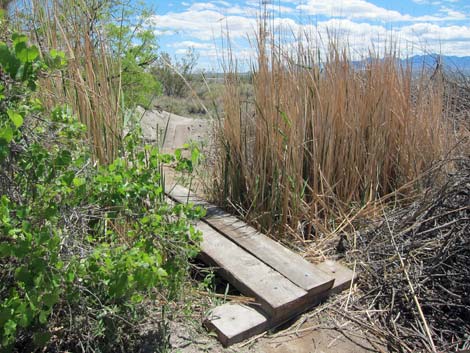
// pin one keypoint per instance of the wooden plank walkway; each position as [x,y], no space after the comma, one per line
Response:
[276,294]
[234,323]
[291,265]
[283,283]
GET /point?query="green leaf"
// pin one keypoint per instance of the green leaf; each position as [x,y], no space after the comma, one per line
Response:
[22,249]
[5,55]
[57,53]
[5,315]
[58,58]
[6,134]
[79,181]
[70,276]
[10,328]
[178,153]
[161,273]
[50,299]
[285,118]
[22,274]
[16,118]
[9,62]
[5,250]
[25,315]
[137,298]
[18,38]
[27,54]
[195,154]
[43,317]
[64,158]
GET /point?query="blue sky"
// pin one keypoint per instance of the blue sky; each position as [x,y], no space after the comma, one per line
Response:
[417,25]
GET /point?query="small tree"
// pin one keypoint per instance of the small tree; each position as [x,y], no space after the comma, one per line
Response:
[137,49]
[175,74]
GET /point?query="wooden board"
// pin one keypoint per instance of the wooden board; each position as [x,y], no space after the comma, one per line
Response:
[234,323]
[276,295]
[298,270]
[344,277]
[293,266]
[282,282]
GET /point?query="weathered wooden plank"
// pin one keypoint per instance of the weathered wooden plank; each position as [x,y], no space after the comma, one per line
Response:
[293,266]
[234,323]
[183,195]
[276,294]
[344,277]
[301,272]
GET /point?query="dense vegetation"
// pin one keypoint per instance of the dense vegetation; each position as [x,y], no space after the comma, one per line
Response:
[323,135]
[88,239]
[309,145]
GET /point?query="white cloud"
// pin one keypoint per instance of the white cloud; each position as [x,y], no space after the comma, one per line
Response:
[191,44]
[200,6]
[203,24]
[274,7]
[417,37]
[451,13]
[361,9]
[350,9]
[223,3]
[435,33]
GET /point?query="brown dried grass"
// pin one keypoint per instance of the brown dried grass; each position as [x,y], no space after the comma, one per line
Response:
[325,136]
[90,82]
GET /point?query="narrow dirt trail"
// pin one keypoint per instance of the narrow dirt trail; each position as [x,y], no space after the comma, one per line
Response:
[172,131]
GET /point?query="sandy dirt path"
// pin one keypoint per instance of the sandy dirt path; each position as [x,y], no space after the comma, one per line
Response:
[172,131]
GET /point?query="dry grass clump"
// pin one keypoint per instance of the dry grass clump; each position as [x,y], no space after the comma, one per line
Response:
[90,82]
[415,268]
[325,135]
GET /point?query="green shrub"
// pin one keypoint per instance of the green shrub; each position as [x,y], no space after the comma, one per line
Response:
[83,248]
[175,74]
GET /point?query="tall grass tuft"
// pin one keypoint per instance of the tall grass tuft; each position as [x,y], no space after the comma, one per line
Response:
[90,82]
[324,133]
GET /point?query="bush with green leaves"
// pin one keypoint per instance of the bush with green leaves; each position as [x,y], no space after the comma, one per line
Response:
[175,74]
[84,249]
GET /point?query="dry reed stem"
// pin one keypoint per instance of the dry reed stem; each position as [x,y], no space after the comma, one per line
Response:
[323,137]
[90,83]
[412,289]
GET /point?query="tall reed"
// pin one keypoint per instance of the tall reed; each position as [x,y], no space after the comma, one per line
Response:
[90,82]
[324,133]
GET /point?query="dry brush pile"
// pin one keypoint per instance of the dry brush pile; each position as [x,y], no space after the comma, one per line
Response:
[415,269]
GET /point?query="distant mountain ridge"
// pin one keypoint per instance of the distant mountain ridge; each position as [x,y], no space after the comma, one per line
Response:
[459,64]
[450,62]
